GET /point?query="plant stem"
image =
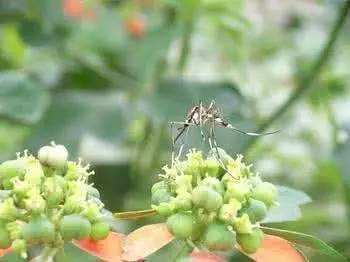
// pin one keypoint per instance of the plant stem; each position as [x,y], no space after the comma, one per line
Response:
[308,81]
[185,44]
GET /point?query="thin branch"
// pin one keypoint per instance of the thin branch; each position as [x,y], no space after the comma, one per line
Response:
[308,81]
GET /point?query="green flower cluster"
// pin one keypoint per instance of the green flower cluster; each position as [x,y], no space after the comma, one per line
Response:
[47,201]
[214,201]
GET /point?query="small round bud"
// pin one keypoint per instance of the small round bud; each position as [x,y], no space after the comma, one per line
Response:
[74,227]
[251,242]
[211,167]
[228,212]
[39,230]
[242,224]
[99,231]
[11,169]
[19,246]
[238,191]
[159,185]
[265,192]
[183,201]
[219,237]
[54,156]
[164,209]
[207,198]
[183,183]
[181,225]
[160,196]
[214,183]
[256,210]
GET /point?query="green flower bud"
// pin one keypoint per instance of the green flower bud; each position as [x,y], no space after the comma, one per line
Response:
[35,203]
[93,192]
[181,225]
[5,240]
[34,173]
[219,238]
[242,224]
[251,242]
[159,186]
[256,210]
[161,196]
[239,191]
[39,230]
[53,192]
[225,158]
[15,229]
[211,167]
[183,183]
[194,163]
[92,212]
[11,169]
[213,183]
[265,192]
[74,227]
[99,231]
[164,209]
[74,204]
[228,212]
[19,246]
[54,156]
[183,201]
[8,210]
[207,198]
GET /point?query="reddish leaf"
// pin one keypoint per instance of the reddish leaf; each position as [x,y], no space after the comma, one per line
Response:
[109,249]
[4,251]
[276,249]
[204,256]
[145,241]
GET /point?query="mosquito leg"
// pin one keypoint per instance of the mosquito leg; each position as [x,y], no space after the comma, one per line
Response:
[218,157]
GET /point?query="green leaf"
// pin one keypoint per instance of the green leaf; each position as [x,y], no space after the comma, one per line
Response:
[76,116]
[288,209]
[172,252]
[74,254]
[144,54]
[21,98]
[342,156]
[305,240]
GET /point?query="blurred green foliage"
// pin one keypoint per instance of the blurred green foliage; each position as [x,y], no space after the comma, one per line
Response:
[105,78]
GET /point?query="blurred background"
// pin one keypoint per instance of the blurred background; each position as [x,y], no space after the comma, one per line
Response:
[105,77]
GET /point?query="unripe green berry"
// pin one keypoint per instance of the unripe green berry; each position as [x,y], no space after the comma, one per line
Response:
[238,191]
[242,224]
[99,231]
[183,183]
[219,237]
[214,183]
[161,196]
[19,246]
[11,169]
[159,186]
[183,201]
[228,212]
[164,209]
[74,227]
[207,198]
[181,225]
[211,167]
[39,230]
[251,242]
[265,192]
[256,210]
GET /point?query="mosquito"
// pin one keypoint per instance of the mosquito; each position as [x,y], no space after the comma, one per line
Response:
[201,115]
